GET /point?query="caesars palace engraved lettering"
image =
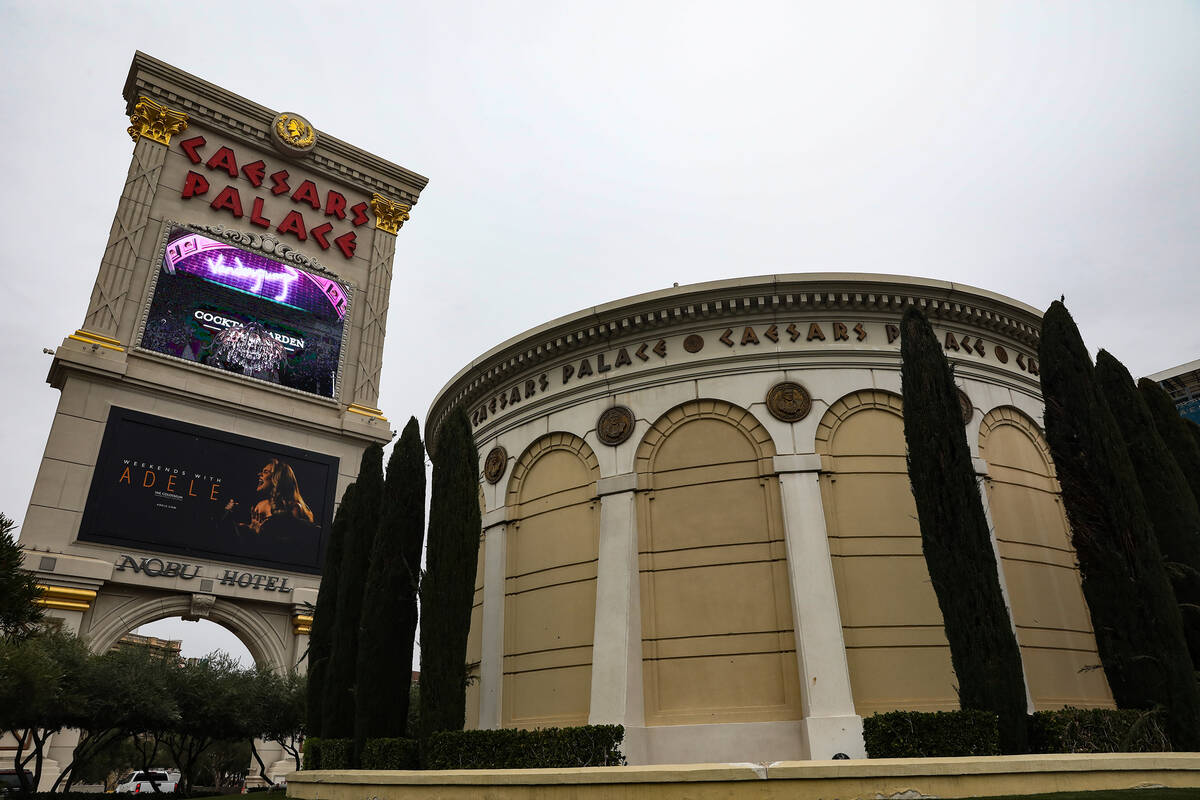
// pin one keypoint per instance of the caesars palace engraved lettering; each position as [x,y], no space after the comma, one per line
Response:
[814,334]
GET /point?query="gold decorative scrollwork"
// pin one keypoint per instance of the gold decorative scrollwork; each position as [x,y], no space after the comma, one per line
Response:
[294,132]
[155,121]
[389,215]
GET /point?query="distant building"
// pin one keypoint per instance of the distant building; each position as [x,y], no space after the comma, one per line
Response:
[165,647]
[1183,384]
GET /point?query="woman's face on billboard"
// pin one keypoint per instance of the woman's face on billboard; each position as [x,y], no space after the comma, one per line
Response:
[264,477]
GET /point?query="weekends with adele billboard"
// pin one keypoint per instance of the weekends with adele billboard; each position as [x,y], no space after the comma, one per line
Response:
[168,486]
[229,308]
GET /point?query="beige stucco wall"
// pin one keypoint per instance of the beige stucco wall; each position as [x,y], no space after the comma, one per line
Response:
[751,586]
[550,584]
[1054,630]
[895,644]
[710,526]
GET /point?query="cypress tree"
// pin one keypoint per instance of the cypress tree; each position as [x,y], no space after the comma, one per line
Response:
[1174,431]
[1172,509]
[389,615]
[338,711]
[1136,620]
[955,537]
[449,583]
[320,639]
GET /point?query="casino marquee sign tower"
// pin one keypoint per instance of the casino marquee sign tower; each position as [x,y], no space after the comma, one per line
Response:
[217,397]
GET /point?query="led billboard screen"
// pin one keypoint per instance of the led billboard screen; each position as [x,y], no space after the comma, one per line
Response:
[226,307]
[169,486]
[1189,409]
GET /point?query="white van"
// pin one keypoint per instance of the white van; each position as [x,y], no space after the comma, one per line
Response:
[140,782]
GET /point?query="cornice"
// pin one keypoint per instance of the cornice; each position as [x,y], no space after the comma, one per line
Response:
[240,119]
[806,293]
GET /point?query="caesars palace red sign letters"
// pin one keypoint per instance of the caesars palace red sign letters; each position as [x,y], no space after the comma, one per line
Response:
[327,205]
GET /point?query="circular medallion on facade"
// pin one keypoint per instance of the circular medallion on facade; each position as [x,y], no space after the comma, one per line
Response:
[495,464]
[789,402]
[293,134]
[694,343]
[964,403]
[615,425]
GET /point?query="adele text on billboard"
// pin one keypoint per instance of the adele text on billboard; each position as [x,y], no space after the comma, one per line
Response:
[169,486]
[226,307]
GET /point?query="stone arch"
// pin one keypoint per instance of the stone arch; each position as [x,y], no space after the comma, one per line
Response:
[552,542]
[896,646]
[261,638]
[717,628]
[1052,622]
[693,410]
[849,405]
[1009,415]
[539,448]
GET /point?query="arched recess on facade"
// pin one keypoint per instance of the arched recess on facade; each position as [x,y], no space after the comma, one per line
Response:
[551,552]
[262,638]
[1053,625]
[896,644]
[717,637]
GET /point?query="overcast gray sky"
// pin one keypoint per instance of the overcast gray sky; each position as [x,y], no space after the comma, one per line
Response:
[580,152]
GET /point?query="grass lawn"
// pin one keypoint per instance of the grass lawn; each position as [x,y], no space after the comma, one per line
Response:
[1110,794]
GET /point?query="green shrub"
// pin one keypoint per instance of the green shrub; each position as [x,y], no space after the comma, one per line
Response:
[1098,730]
[390,754]
[310,753]
[585,746]
[923,734]
[322,753]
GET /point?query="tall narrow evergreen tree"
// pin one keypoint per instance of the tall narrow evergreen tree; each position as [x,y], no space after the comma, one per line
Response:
[389,615]
[1174,431]
[320,639]
[956,539]
[1172,509]
[449,582]
[1136,620]
[338,711]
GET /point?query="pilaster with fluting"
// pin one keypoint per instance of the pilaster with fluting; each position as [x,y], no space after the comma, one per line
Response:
[111,310]
[374,307]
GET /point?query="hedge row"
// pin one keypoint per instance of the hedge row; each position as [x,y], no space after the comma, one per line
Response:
[509,748]
[916,734]
[391,754]
[585,746]
[922,734]
[327,753]
[1098,730]
[896,734]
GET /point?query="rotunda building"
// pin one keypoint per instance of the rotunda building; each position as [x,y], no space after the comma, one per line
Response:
[698,522]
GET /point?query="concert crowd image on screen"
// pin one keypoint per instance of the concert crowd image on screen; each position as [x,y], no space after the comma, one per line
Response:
[217,304]
[169,486]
